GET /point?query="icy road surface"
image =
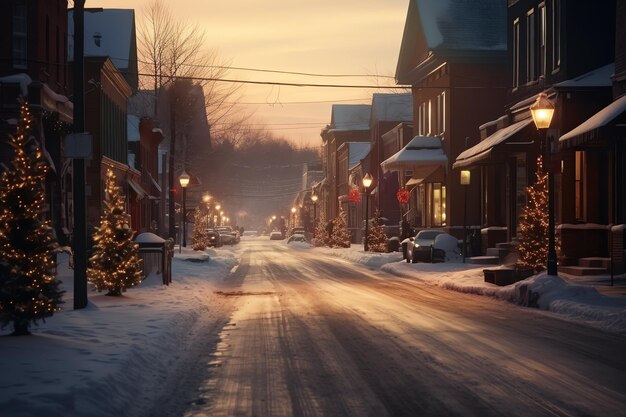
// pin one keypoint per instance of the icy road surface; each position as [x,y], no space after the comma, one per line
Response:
[312,335]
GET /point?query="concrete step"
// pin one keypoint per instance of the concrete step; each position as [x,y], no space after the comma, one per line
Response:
[499,252]
[483,260]
[583,270]
[505,245]
[595,262]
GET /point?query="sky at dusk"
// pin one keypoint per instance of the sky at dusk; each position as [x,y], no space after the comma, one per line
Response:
[359,37]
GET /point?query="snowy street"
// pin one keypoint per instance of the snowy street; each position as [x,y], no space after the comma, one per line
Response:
[269,329]
[316,336]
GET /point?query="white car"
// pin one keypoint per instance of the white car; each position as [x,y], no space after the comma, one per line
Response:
[419,248]
[276,235]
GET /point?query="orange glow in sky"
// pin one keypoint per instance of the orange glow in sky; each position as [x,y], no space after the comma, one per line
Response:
[323,36]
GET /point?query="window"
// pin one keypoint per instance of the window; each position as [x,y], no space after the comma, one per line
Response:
[556,34]
[579,185]
[516,48]
[437,206]
[542,39]
[20,36]
[429,118]
[420,120]
[441,114]
[530,46]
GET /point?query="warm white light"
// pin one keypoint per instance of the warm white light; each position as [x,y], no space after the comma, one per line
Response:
[367,180]
[217,207]
[465,177]
[206,198]
[314,198]
[184,179]
[293,210]
[542,111]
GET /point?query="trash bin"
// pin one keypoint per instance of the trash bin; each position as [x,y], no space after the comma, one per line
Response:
[156,252]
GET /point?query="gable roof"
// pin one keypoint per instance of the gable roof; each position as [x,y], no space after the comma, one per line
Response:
[110,32]
[356,152]
[454,28]
[392,107]
[347,117]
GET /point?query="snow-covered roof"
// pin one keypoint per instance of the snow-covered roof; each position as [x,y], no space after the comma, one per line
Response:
[356,152]
[464,25]
[598,120]
[116,29]
[392,107]
[600,77]
[422,153]
[346,117]
[132,123]
[22,79]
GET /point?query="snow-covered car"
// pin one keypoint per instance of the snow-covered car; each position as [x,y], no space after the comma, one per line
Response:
[276,235]
[420,247]
[297,231]
[229,235]
[214,238]
[296,238]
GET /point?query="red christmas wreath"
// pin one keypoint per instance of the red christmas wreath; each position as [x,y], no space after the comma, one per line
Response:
[403,195]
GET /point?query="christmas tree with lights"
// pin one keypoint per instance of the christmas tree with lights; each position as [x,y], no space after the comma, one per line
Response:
[115,264]
[340,237]
[29,290]
[320,235]
[377,239]
[533,237]
[200,235]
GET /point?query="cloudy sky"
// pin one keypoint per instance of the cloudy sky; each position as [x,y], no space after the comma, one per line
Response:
[360,37]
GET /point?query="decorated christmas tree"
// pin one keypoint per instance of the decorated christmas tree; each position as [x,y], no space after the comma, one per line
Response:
[320,237]
[533,236]
[376,236]
[29,290]
[115,264]
[340,237]
[200,235]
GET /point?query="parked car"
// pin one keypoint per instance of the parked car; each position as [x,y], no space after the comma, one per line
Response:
[214,238]
[298,237]
[229,235]
[297,231]
[276,235]
[420,247]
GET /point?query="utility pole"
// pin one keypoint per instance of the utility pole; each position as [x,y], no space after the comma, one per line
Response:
[79,240]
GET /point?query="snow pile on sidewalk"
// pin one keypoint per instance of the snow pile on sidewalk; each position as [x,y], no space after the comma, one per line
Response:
[574,302]
[91,362]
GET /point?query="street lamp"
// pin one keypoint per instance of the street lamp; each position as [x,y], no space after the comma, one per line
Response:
[367,182]
[314,200]
[293,217]
[465,182]
[542,111]
[206,197]
[184,182]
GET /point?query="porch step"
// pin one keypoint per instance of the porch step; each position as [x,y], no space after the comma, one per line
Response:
[505,245]
[595,262]
[499,252]
[483,260]
[583,270]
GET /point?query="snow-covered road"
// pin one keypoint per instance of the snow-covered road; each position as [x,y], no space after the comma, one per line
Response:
[314,335]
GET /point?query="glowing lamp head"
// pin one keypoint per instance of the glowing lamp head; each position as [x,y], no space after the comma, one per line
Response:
[314,198]
[465,177]
[184,179]
[218,206]
[206,198]
[542,111]
[293,210]
[367,181]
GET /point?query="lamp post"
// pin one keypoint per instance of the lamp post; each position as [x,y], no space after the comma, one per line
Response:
[542,111]
[314,200]
[184,182]
[367,182]
[206,198]
[465,182]
[293,217]
[217,209]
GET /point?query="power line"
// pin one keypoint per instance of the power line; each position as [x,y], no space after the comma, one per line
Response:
[226,80]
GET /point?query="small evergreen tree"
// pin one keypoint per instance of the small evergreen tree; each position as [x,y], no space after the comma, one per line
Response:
[340,237]
[29,290]
[376,236]
[200,235]
[321,235]
[533,237]
[115,264]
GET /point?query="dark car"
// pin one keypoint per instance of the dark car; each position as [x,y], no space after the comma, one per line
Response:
[419,248]
[228,235]
[214,238]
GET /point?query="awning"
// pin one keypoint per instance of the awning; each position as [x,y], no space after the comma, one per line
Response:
[590,129]
[422,155]
[156,185]
[484,148]
[434,176]
[141,193]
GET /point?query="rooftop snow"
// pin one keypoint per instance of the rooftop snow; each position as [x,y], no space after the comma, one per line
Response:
[392,107]
[600,77]
[347,117]
[357,151]
[464,25]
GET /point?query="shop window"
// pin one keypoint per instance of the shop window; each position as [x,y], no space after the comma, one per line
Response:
[437,205]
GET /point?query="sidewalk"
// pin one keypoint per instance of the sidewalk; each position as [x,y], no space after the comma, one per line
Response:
[602,283]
